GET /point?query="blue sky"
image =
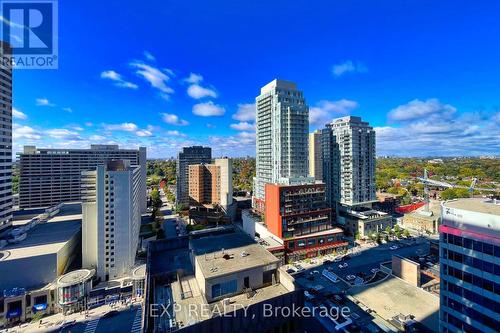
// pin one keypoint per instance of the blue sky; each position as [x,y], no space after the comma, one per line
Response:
[165,74]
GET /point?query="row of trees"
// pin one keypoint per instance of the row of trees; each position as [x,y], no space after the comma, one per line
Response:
[387,234]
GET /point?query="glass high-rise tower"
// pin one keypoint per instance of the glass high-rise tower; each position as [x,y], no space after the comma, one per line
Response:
[282,121]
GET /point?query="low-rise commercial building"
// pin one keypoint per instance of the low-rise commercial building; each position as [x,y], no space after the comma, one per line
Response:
[298,215]
[364,222]
[43,250]
[209,279]
[422,220]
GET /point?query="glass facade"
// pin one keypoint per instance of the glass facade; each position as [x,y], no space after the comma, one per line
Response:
[470,283]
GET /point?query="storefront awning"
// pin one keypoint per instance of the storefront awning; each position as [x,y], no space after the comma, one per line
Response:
[39,307]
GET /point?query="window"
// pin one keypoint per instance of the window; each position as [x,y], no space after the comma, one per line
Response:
[221,289]
[301,243]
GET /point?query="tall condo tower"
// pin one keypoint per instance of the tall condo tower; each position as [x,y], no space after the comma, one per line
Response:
[5,145]
[111,218]
[282,119]
[348,145]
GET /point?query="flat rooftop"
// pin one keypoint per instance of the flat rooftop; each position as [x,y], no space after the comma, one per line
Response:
[393,296]
[478,205]
[230,253]
[48,237]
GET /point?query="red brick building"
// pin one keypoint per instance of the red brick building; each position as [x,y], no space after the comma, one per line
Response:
[298,214]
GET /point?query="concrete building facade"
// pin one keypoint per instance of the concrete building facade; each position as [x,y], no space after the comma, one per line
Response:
[5,145]
[282,122]
[189,156]
[211,184]
[470,266]
[51,176]
[111,218]
[349,159]
[315,156]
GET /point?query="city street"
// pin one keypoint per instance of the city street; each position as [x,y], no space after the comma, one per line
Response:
[124,321]
[370,258]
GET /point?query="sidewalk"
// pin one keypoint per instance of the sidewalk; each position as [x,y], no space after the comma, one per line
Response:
[53,322]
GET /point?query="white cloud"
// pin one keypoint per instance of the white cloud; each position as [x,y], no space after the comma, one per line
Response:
[68,110]
[24,132]
[193,78]
[118,79]
[18,114]
[149,56]
[348,67]
[97,138]
[325,111]
[144,133]
[173,119]
[246,112]
[127,127]
[176,133]
[89,124]
[156,77]
[417,109]
[434,129]
[43,102]
[208,109]
[62,133]
[196,91]
[243,126]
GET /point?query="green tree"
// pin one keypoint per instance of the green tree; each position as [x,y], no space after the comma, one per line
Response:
[406,233]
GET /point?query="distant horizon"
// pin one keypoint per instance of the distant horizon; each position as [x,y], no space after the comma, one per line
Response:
[173,76]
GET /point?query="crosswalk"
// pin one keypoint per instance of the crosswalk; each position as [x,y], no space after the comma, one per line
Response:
[91,326]
[136,325]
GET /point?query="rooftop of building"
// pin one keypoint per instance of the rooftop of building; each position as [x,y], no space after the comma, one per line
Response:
[393,296]
[46,237]
[35,150]
[367,215]
[276,83]
[478,205]
[226,254]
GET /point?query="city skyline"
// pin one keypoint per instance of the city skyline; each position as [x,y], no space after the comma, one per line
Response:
[189,80]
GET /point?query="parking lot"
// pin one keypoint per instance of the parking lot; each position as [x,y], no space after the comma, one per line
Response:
[364,263]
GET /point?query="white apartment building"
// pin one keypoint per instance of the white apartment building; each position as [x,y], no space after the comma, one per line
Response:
[282,120]
[315,160]
[51,176]
[111,218]
[349,161]
[5,145]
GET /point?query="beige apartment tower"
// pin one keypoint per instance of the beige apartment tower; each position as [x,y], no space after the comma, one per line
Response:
[315,160]
[211,184]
